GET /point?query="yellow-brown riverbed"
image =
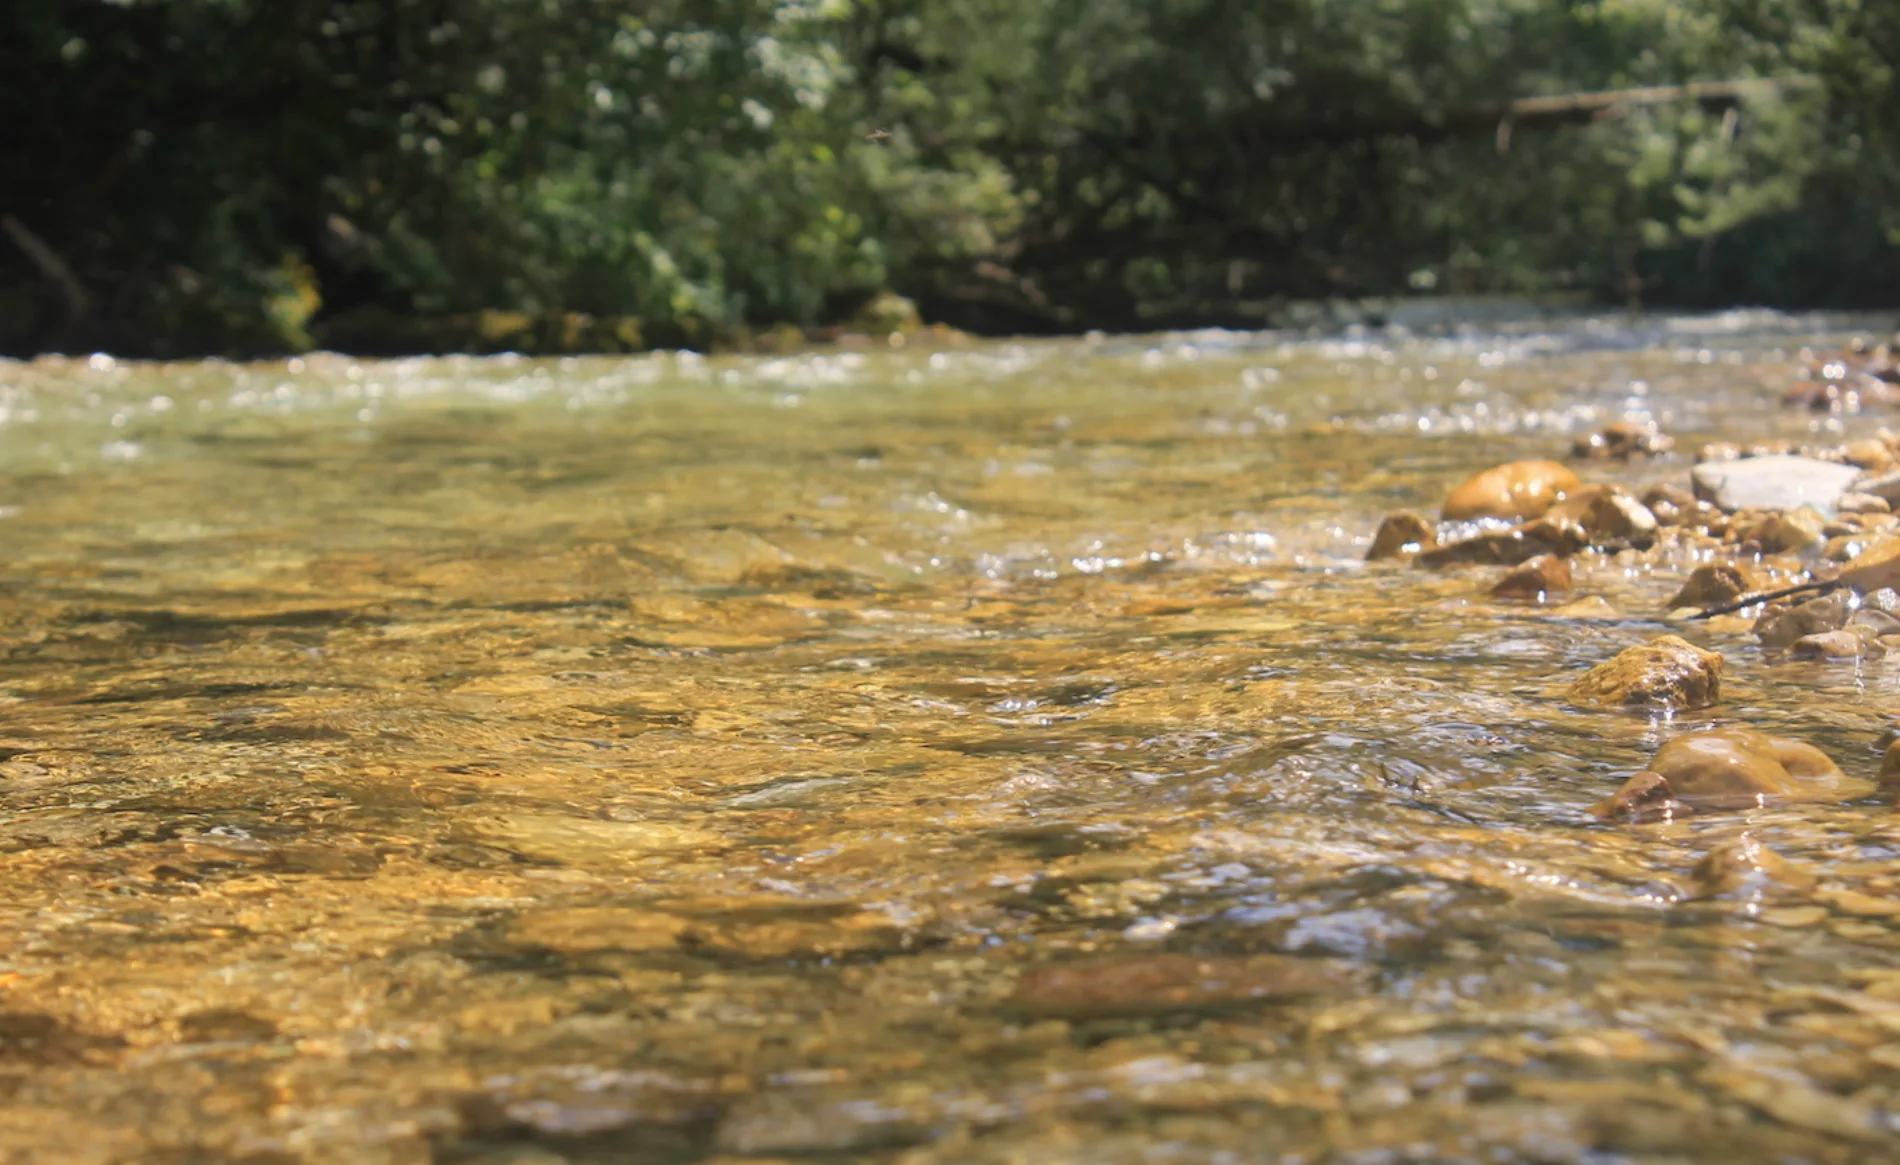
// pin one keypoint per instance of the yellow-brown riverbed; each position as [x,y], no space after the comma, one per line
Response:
[999,755]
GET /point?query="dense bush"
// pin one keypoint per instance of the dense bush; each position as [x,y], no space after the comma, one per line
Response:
[244,175]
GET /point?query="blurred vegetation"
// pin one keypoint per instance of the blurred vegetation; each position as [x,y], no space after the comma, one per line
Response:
[247,176]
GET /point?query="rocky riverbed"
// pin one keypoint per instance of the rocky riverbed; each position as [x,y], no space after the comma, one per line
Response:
[1001,753]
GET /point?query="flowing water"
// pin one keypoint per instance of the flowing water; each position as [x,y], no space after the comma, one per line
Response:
[997,754]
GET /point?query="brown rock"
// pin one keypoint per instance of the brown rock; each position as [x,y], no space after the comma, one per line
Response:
[1780,626]
[1785,533]
[1862,504]
[1674,495]
[1622,440]
[1535,580]
[1402,533]
[1875,567]
[1514,492]
[1510,547]
[1869,454]
[1667,670]
[1672,505]
[1729,768]
[1713,584]
[1746,868]
[1890,767]
[1608,516]
[1136,985]
[1872,621]
[1834,645]
[1844,547]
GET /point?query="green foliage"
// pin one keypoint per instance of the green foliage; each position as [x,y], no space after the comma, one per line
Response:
[249,176]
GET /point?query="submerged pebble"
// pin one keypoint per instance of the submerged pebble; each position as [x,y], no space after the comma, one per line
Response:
[1745,868]
[1136,985]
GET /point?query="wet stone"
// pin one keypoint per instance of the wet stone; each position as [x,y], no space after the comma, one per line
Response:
[1873,621]
[1609,516]
[1727,769]
[1622,440]
[1669,495]
[1834,645]
[1667,670]
[1515,492]
[1863,503]
[1875,568]
[1789,533]
[1747,869]
[1780,626]
[1402,533]
[1138,985]
[1773,483]
[1713,584]
[1536,580]
[1885,486]
[1883,599]
[1870,455]
[1844,547]
[1509,547]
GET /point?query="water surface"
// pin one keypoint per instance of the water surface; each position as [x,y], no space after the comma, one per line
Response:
[997,754]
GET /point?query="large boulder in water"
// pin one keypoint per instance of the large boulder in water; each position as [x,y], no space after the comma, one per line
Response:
[1668,670]
[1515,492]
[1773,483]
[1729,768]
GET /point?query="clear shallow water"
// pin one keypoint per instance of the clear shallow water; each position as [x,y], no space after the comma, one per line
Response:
[992,755]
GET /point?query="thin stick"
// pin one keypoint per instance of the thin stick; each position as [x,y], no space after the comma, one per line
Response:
[1768,597]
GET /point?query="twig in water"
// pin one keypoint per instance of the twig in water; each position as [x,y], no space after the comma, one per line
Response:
[1767,597]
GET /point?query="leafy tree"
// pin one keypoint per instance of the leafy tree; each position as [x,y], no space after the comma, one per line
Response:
[247,176]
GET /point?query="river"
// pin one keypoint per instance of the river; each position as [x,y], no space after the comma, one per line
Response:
[995,754]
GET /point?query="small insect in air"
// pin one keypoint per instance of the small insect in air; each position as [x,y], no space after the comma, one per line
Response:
[878,135]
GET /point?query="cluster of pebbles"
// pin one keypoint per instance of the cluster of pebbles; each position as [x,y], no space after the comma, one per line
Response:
[1805,539]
